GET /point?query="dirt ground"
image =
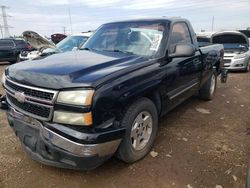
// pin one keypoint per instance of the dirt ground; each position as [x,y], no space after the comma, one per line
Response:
[194,149]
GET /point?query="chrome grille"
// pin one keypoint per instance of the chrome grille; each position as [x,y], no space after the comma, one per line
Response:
[32,109]
[226,61]
[36,93]
[38,102]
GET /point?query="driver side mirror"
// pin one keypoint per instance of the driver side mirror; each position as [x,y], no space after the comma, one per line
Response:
[183,50]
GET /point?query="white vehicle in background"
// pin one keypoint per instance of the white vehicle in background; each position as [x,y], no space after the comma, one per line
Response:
[236,49]
[204,38]
[45,48]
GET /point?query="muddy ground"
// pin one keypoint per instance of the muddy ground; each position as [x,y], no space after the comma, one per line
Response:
[194,149]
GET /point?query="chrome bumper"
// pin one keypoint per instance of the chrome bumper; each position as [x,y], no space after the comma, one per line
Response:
[78,149]
[84,150]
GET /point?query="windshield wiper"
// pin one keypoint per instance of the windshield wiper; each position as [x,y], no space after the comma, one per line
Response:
[85,49]
[117,50]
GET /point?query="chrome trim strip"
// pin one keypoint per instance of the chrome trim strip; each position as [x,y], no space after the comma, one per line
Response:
[30,114]
[182,91]
[35,88]
[101,149]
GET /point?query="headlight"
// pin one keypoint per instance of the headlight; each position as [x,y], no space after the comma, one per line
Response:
[3,79]
[72,118]
[240,56]
[77,97]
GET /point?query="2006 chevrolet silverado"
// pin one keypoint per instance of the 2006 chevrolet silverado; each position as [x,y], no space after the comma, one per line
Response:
[77,109]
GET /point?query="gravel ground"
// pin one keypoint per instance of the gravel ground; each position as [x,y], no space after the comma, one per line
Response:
[199,144]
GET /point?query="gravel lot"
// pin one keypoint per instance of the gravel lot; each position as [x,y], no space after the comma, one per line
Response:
[195,149]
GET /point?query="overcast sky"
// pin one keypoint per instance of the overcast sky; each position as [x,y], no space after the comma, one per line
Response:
[50,16]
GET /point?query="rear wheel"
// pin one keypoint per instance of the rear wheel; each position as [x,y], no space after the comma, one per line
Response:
[248,67]
[18,59]
[141,122]
[207,91]
[12,62]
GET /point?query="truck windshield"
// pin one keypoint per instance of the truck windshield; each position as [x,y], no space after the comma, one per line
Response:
[139,38]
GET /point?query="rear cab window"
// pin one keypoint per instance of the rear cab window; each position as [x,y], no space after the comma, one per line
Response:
[179,35]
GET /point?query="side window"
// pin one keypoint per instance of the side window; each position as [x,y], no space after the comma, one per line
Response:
[6,43]
[20,42]
[180,35]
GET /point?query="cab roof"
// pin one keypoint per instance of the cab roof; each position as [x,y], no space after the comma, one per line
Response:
[162,19]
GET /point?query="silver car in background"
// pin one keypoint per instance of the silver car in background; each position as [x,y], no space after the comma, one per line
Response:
[45,47]
[236,46]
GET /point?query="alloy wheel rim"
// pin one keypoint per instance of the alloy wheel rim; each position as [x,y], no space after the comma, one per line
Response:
[141,130]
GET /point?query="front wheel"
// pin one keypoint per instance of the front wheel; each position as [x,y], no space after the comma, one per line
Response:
[141,122]
[208,89]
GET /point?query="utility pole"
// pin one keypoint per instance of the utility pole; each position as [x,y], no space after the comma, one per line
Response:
[70,22]
[64,30]
[213,24]
[5,22]
[1,28]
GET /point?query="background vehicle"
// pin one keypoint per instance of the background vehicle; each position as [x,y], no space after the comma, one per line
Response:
[237,53]
[245,32]
[10,49]
[67,44]
[203,38]
[58,37]
[77,109]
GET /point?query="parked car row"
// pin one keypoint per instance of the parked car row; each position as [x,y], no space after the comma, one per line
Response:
[71,42]
[35,46]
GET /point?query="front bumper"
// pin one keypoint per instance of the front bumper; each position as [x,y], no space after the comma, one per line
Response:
[61,146]
[236,64]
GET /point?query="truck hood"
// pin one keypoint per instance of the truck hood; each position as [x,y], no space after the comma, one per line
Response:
[72,69]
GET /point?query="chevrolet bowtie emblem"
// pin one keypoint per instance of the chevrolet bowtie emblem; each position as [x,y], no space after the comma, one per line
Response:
[20,97]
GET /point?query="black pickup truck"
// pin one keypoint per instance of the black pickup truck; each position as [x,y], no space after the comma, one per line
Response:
[77,109]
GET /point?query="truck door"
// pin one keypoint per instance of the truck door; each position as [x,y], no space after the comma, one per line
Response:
[182,73]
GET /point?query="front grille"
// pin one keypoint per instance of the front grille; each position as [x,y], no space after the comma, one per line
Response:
[226,61]
[28,91]
[36,110]
[38,103]
[228,56]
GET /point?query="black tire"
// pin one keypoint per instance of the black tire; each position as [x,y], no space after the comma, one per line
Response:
[12,62]
[208,89]
[18,59]
[126,152]
[248,67]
